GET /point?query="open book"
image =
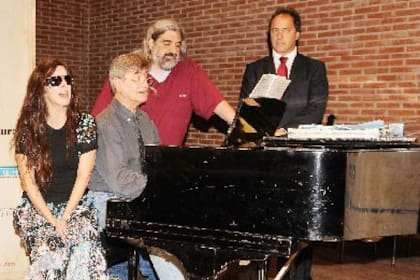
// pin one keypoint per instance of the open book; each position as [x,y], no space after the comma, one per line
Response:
[255,118]
[270,86]
[259,114]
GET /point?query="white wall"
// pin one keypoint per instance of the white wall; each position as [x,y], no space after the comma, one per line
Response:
[17,59]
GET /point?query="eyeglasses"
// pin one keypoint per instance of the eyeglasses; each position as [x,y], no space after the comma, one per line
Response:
[55,81]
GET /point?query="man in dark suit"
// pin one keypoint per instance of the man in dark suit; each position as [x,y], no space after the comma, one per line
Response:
[306,96]
[307,93]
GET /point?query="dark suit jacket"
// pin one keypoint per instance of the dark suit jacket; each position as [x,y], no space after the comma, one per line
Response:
[306,95]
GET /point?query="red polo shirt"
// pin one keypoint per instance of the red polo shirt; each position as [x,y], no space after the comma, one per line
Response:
[187,89]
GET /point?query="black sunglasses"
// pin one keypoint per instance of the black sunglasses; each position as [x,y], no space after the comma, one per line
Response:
[55,81]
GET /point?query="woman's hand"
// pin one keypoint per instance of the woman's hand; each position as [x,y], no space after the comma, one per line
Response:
[61,228]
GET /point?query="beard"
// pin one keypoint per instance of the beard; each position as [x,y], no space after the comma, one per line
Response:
[167,61]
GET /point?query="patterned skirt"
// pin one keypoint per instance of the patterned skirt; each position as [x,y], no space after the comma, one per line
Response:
[79,257]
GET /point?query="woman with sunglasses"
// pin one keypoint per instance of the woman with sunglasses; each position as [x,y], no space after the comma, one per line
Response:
[55,149]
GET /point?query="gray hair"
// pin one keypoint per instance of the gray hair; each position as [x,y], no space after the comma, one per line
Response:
[158,28]
[135,60]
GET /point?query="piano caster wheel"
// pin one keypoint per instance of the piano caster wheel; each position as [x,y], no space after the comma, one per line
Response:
[166,265]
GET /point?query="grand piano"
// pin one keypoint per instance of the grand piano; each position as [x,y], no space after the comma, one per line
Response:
[210,207]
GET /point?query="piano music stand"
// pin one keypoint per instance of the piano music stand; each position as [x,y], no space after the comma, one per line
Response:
[254,119]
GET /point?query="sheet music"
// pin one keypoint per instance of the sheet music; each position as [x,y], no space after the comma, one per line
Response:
[270,86]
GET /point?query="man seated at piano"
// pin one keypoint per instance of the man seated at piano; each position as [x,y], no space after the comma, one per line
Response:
[123,130]
[307,94]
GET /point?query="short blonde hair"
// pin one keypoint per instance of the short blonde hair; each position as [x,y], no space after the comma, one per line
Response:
[158,28]
[123,63]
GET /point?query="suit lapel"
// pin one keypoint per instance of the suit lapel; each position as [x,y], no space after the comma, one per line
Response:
[298,75]
[297,67]
[267,66]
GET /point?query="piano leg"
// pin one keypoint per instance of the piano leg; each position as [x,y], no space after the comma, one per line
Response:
[262,270]
[133,262]
[286,267]
[394,251]
[290,261]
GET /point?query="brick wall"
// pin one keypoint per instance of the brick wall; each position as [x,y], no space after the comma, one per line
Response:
[61,32]
[362,42]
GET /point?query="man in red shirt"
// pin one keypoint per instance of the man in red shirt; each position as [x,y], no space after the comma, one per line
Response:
[181,86]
